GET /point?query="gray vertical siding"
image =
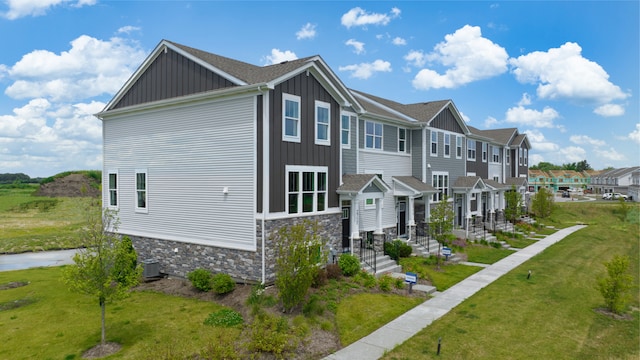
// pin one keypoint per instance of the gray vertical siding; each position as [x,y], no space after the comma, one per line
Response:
[306,152]
[389,138]
[416,153]
[349,155]
[171,75]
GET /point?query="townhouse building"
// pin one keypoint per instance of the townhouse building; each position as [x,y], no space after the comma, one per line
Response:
[206,157]
[613,180]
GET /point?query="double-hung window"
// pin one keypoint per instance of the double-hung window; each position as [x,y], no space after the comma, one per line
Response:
[458,147]
[323,123]
[519,156]
[484,152]
[471,150]
[525,157]
[402,140]
[434,143]
[306,189]
[495,157]
[447,145]
[440,181]
[141,191]
[507,157]
[345,130]
[290,118]
[373,135]
[113,189]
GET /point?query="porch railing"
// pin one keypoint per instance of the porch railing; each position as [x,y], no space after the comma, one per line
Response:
[368,253]
[422,235]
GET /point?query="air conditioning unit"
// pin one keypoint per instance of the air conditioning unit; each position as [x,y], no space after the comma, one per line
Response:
[151,268]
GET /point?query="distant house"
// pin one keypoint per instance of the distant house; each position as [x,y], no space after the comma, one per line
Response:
[206,157]
[633,190]
[614,180]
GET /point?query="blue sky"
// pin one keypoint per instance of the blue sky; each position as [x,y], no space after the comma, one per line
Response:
[566,73]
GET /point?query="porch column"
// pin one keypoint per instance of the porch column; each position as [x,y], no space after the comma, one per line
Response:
[412,220]
[467,212]
[427,208]
[354,220]
[378,216]
[492,209]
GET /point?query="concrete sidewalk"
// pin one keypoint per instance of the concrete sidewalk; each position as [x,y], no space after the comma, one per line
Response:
[410,323]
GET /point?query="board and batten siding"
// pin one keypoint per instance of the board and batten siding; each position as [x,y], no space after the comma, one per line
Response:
[191,153]
[349,155]
[455,167]
[391,165]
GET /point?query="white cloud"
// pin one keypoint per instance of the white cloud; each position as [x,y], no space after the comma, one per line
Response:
[535,159]
[22,8]
[539,119]
[490,122]
[308,31]
[525,100]
[278,56]
[358,47]
[610,154]
[609,110]
[128,29]
[47,138]
[366,70]
[585,140]
[90,68]
[635,134]
[399,41]
[572,154]
[562,73]
[539,142]
[359,17]
[467,55]
[416,58]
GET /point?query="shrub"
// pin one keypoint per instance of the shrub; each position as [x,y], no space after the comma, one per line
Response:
[614,288]
[385,282]
[222,283]
[319,278]
[224,318]
[365,279]
[313,307]
[270,334]
[200,279]
[397,249]
[222,347]
[398,283]
[334,271]
[349,264]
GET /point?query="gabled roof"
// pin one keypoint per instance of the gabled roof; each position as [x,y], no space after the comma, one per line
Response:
[357,183]
[500,136]
[415,184]
[495,185]
[242,73]
[468,182]
[517,181]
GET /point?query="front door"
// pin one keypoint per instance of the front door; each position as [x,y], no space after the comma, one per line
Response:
[402,219]
[346,227]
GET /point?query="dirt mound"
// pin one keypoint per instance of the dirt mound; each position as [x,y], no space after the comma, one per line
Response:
[74,185]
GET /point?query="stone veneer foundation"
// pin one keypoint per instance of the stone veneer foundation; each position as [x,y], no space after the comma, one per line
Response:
[244,266]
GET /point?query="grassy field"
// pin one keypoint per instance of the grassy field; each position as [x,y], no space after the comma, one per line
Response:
[33,223]
[552,315]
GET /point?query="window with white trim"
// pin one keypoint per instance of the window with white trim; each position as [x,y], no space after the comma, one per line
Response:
[290,118]
[141,191]
[484,152]
[495,154]
[345,130]
[519,156]
[402,140]
[373,135]
[471,149]
[323,123]
[447,145]
[434,143]
[525,157]
[458,147]
[440,181]
[507,158]
[113,189]
[306,189]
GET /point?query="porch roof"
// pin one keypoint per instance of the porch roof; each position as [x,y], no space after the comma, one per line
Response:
[517,181]
[414,184]
[358,183]
[468,182]
[496,185]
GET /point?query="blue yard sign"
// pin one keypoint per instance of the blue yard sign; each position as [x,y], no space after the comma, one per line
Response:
[446,252]
[411,278]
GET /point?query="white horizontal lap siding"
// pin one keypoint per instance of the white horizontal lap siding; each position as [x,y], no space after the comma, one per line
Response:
[191,154]
[391,165]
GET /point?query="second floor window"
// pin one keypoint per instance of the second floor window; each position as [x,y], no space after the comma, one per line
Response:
[323,123]
[471,150]
[373,135]
[459,147]
[290,118]
[507,159]
[495,154]
[484,152]
[447,145]
[402,140]
[434,143]
[345,130]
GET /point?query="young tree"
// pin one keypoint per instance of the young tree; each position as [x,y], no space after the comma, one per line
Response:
[513,207]
[299,253]
[441,222]
[542,203]
[107,268]
[614,288]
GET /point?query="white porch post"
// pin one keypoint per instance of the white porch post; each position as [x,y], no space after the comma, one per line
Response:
[412,220]
[427,208]
[492,206]
[378,216]
[467,211]
[354,221]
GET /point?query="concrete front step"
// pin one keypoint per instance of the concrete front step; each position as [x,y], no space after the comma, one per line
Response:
[384,265]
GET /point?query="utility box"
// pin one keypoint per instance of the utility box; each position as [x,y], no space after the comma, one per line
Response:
[151,268]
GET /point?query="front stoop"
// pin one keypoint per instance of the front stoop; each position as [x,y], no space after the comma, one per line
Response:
[384,265]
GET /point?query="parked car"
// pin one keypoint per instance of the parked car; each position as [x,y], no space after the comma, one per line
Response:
[607,196]
[616,196]
[565,194]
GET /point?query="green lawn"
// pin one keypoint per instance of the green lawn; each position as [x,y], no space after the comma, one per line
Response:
[552,315]
[443,277]
[485,254]
[27,225]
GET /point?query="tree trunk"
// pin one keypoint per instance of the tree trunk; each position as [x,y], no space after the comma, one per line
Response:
[102,310]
